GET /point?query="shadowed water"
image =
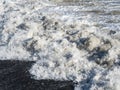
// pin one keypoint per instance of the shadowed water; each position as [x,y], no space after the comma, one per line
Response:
[14,75]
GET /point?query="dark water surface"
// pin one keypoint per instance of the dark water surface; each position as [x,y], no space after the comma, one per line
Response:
[14,75]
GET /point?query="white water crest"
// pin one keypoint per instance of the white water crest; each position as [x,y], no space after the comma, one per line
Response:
[76,40]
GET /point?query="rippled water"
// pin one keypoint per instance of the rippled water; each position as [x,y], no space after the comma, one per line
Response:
[105,13]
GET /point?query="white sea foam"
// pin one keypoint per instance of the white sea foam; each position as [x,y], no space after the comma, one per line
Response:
[69,41]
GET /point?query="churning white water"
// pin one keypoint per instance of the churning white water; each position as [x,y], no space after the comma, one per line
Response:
[76,40]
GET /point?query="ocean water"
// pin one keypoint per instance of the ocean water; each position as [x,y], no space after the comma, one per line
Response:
[76,40]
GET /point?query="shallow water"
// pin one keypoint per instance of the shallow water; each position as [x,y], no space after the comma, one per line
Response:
[76,41]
